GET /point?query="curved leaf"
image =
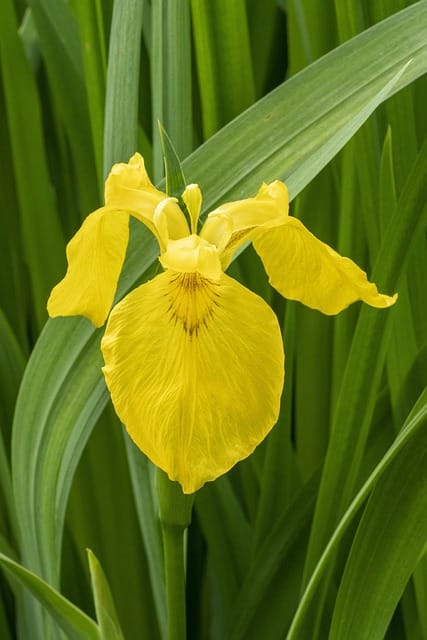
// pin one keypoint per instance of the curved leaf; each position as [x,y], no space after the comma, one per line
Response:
[408,434]
[76,624]
[386,549]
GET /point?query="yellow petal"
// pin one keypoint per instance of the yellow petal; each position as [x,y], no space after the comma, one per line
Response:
[234,223]
[95,257]
[192,254]
[192,197]
[195,372]
[128,187]
[170,222]
[303,268]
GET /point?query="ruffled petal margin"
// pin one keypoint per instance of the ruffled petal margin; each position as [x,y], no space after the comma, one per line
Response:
[195,370]
[303,268]
[95,258]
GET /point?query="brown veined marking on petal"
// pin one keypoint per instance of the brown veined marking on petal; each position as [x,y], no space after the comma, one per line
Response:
[237,236]
[193,300]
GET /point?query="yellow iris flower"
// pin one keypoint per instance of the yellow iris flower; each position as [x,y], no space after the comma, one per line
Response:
[194,361]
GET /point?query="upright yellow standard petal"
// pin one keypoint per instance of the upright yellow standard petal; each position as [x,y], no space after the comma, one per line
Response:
[95,257]
[192,197]
[195,371]
[303,268]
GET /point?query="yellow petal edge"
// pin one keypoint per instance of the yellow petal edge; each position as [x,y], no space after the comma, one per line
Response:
[302,267]
[95,258]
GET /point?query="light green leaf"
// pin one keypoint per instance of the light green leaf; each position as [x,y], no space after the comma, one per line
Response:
[109,625]
[175,181]
[121,102]
[224,61]
[171,77]
[91,25]
[76,624]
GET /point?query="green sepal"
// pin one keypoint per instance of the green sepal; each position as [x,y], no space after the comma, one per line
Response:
[175,180]
[175,507]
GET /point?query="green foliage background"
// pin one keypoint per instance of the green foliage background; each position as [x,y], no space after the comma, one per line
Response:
[321,533]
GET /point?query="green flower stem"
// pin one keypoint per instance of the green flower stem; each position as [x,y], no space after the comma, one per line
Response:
[175,516]
[173,545]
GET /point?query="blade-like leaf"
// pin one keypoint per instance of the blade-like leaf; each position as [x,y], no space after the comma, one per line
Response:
[94,64]
[175,181]
[143,478]
[76,624]
[271,556]
[223,60]
[121,102]
[355,404]
[410,430]
[61,51]
[171,77]
[228,536]
[42,237]
[386,549]
[106,614]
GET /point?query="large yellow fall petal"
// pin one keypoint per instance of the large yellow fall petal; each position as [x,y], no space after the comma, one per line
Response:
[195,371]
[95,257]
[303,268]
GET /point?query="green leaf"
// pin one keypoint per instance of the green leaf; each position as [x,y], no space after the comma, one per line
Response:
[224,62]
[91,25]
[60,47]
[42,236]
[175,181]
[142,473]
[109,625]
[91,521]
[228,537]
[121,102]
[361,379]
[171,77]
[76,624]
[12,363]
[386,549]
[409,432]
[252,608]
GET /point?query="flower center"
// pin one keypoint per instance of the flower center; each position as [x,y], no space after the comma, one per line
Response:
[192,254]
[193,301]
